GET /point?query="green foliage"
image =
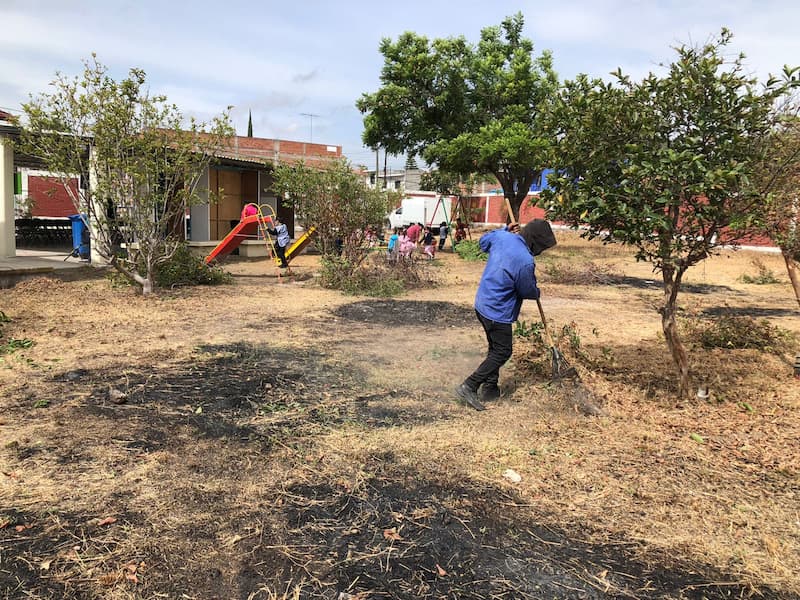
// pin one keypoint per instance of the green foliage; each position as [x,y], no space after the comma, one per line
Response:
[529,331]
[450,184]
[375,276]
[466,108]
[666,164]
[334,199]
[778,216]
[470,250]
[145,158]
[183,268]
[584,273]
[733,332]
[534,355]
[13,344]
[765,276]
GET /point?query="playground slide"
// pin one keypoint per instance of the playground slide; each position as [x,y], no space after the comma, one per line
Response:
[300,243]
[246,229]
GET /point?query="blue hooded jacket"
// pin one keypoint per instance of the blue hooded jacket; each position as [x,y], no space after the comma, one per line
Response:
[508,278]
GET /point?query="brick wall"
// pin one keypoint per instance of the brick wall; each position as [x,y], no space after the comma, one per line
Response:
[497,215]
[284,150]
[50,197]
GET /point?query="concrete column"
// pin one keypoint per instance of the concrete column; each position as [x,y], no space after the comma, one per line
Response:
[99,207]
[8,244]
[201,213]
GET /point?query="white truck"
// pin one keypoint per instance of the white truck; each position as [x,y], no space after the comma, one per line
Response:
[428,210]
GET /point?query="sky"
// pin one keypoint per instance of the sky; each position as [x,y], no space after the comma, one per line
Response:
[299,67]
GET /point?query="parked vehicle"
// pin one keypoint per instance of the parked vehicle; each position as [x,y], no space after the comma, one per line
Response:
[428,210]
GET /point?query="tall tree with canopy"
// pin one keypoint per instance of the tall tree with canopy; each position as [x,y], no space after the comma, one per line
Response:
[779,217]
[666,164]
[466,108]
[143,161]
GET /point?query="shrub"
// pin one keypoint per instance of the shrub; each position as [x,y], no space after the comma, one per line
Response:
[183,268]
[739,332]
[470,250]
[765,275]
[534,355]
[587,273]
[374,276]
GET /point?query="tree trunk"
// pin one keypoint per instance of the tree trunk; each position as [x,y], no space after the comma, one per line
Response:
[670,328]
[794,275]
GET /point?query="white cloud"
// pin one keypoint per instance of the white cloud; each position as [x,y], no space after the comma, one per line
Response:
[282,59]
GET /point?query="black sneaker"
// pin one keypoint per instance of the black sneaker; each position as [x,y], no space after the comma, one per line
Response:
[469,397]
[488,392]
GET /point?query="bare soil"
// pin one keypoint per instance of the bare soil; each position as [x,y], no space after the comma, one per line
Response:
[274,439]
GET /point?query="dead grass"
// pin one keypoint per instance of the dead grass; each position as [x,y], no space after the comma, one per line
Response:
[279,440]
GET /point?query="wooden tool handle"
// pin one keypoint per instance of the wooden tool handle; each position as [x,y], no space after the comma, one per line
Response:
[548,337]
[510,210]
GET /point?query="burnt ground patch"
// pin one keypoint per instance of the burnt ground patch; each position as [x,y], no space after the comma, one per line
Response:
[395,534]
[407,313]
[400,535]
[242,392]
[46,555]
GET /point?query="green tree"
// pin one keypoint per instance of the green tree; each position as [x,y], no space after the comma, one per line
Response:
[464,108]
[666,164]
[141,160]
[335,200]
[780,180]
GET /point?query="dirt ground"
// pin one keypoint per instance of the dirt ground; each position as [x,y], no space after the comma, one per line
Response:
[272,439]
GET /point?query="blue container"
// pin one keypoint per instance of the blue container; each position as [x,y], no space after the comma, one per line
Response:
[80,237]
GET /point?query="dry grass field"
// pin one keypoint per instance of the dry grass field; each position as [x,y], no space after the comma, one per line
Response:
[273,439]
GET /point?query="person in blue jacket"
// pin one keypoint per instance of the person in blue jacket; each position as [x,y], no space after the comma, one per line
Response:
[508,278]
[281,233]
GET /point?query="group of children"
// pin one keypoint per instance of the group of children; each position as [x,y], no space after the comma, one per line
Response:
[404,241]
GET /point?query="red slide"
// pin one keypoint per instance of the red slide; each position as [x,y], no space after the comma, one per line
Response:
[246,229]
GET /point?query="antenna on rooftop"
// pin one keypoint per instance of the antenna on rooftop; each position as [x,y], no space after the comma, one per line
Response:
[311,125]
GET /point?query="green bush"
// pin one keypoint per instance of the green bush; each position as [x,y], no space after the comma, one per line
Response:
[739,332]
[470,250]
[764,275]
[374,276]
[183,268]
[587,273]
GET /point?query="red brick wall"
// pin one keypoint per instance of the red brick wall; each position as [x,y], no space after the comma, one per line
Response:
[497,214]
[287,151]
[50,197]
[497,210]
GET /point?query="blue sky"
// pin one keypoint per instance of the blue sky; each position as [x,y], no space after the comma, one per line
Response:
[282,59]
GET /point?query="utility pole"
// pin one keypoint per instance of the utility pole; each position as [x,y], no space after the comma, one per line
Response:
[311,124]
[377,166]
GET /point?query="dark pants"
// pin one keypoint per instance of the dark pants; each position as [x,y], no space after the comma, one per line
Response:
[441,243]
[281,252]
[500,346]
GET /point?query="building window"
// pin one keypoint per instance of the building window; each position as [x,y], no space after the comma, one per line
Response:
[397,185]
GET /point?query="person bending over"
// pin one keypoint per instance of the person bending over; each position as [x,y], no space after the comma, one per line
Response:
[508,278]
